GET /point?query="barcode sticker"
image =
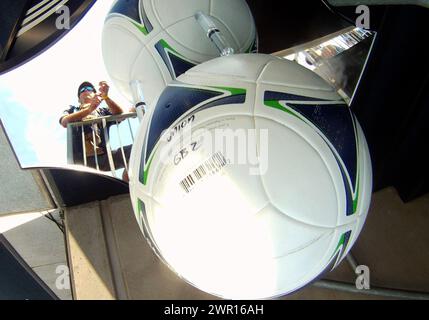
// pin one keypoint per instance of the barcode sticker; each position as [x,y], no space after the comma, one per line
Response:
[209,167]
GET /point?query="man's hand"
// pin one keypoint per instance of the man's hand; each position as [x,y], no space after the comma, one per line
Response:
[103,89]
[85,110]
[84,113]
[104,93]
[95,102]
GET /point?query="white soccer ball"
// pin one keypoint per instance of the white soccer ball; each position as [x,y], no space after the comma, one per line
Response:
[155,41]
[250,177]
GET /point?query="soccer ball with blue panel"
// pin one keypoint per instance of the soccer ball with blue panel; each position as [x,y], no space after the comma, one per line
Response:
[250,177]
[155,41]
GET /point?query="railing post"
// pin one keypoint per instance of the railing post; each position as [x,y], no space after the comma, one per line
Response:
[83,146]
[94,146]
[108,148]
[131,130]
[70,151]
[93,123]
[122,148]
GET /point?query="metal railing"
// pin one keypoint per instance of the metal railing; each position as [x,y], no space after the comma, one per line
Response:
[373,291]
[93,124]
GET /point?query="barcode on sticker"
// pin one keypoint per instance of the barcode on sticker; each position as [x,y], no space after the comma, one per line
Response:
[209,167]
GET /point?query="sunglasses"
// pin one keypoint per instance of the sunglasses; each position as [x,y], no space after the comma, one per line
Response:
[88,88]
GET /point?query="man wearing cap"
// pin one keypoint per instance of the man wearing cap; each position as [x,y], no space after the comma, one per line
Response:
[89,108]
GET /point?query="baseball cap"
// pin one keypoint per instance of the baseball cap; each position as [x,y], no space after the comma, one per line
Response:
[85,86]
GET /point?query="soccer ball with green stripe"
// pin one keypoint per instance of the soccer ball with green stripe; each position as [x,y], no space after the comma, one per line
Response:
[155,41]
[250,176]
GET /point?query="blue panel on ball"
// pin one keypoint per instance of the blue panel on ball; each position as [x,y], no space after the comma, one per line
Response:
[129,8]
[349,195]
[175,64]
[180,66]
[171,105]
[145,19]
[336,123]
[161,50]
[281,96]
[234,99]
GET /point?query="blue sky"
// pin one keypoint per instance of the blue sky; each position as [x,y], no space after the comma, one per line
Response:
[33,96]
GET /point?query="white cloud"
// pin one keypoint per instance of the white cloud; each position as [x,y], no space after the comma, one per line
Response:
[47,141]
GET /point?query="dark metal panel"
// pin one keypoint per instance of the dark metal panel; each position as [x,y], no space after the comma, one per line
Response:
[78,187]
[17,280]
[284,24]
[41,37]
[392,102]
[11,14]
